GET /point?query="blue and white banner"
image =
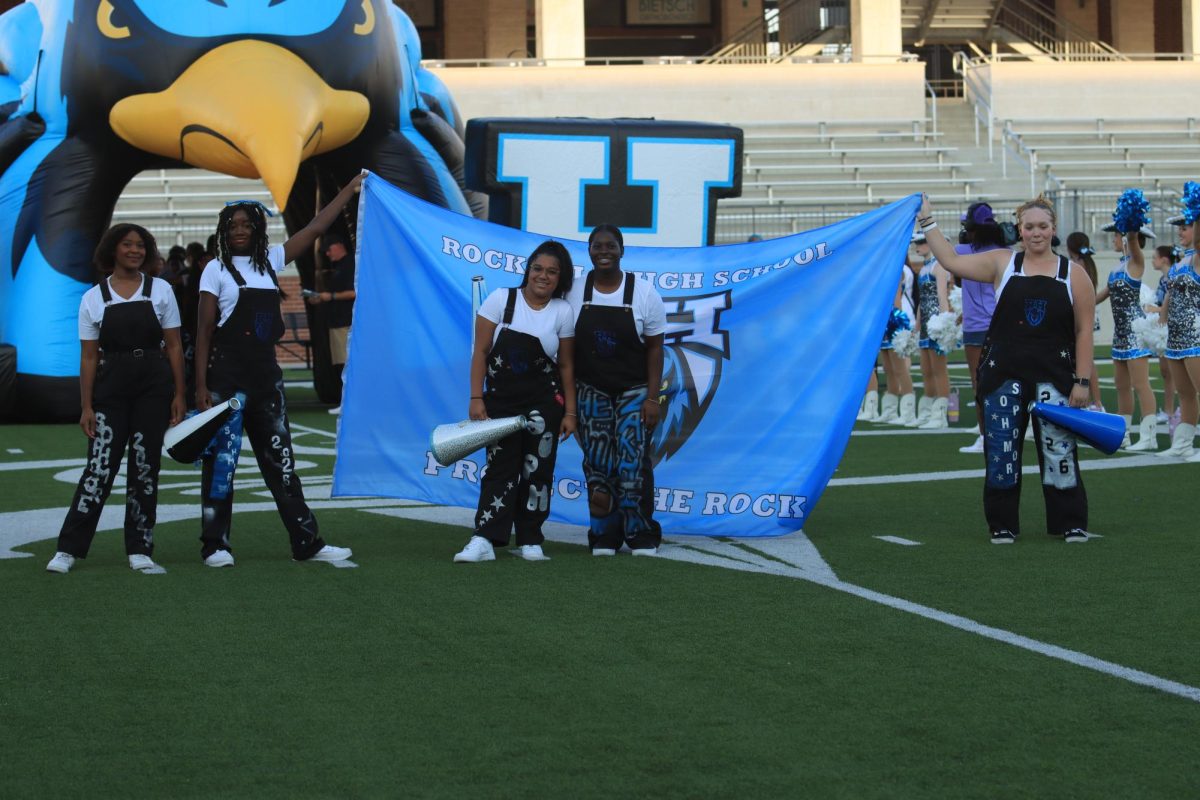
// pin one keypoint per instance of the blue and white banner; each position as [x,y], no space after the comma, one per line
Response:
[768,349]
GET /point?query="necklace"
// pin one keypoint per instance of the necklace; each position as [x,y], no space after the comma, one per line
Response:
[531,304]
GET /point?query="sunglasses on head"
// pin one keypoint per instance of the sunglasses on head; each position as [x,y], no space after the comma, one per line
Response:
[265,210]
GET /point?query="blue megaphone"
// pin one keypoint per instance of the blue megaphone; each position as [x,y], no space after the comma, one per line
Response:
[1105,432]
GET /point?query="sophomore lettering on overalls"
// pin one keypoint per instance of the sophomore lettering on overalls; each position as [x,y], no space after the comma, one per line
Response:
[126,386]
[1028,357]
[619,356]
[523,342]
[236,353]
[1039,339]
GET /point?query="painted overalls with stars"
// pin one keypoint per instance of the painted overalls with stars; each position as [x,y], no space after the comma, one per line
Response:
[1028,356]
[610,363]
[515,488]
[243,360]
[132,401]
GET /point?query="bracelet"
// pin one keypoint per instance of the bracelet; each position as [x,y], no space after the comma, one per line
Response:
[926,227]
[571,414]
[474,397]
[924,221]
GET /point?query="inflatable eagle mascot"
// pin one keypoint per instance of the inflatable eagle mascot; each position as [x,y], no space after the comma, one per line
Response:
[300,93]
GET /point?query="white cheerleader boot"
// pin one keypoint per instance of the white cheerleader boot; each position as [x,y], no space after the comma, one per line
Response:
[1181,442]
[1126,442]
[1147,435]
[888,412]
[937,415]
[923,407]
[908,409]
[869,410]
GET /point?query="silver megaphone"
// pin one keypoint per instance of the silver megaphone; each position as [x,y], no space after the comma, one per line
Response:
[187,441]
[449,443]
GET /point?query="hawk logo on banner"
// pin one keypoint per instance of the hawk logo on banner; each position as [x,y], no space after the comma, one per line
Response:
[694,353]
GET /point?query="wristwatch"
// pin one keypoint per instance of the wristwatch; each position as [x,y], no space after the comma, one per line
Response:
[1084,382]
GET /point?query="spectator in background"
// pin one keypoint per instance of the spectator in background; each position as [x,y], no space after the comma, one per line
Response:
[338,300]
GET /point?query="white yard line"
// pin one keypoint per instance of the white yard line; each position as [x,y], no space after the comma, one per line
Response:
[898,540]
[794,556]
[1091,465]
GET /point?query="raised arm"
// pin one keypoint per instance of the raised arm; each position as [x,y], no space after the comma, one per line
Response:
[981,267]
[1137,259]
[303,239]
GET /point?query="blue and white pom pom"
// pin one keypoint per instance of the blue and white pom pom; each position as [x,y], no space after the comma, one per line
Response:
[956,300]
[906,343]
[897,321]
[1191,202]
[945,330]
[1147,296]
[1150,333]
[1131,213]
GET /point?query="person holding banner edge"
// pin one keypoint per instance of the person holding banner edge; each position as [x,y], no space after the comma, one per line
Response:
[126,377]
[238,324]
[1038,344]
[524,352]
[620,325]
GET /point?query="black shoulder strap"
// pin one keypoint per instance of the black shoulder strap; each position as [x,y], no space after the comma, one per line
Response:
[629,279]
[510,306]
[1018,259]
[1064,268]
[587,287]
[105,292]
[147,286]
[237,276]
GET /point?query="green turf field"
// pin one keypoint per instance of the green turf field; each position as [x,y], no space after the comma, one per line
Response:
[854,668]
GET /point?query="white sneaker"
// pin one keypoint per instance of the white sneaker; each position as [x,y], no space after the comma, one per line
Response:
[1162,417]
[331,553]
[603,551]
[478,549]
[61,563]
[145,565]
[977,447]
[645,551]
[221,558]
[336,411]
[530,552]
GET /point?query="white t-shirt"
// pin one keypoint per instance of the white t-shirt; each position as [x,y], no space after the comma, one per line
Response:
[555,321]
[648,311]
[216,279]
[91,307]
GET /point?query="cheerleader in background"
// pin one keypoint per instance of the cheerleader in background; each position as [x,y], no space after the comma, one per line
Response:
[933,297]
[869,410]
[980,233]
[1079,248]
[1183,332]
[899,403]
[1131,361]
[1164,258]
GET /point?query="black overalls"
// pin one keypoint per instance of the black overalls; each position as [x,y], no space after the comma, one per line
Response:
[243,359]
[1029,356]
[610,364]
[515,488]
[131,397]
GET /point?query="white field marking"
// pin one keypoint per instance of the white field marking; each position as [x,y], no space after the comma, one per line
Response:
[15,466]
[16,451]
[1091,465]
[707,551]
[914,432]
[898,540]
[20,528]
[293,426]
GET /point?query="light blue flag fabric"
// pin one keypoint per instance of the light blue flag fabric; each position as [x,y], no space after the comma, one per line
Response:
[769,346]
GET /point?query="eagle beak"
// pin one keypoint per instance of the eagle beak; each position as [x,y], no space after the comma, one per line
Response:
[248,108]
